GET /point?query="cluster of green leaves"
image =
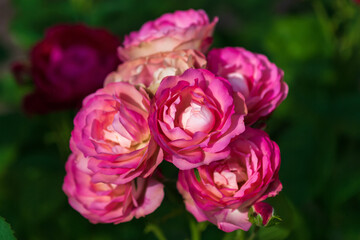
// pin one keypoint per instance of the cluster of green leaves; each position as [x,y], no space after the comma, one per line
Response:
[317,127]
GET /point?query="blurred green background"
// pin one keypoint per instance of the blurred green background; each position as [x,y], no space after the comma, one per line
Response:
[316,43]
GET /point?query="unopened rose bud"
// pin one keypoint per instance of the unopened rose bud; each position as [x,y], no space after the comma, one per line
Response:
[262,214]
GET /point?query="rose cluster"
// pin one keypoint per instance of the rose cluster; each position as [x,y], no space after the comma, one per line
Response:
[170,100]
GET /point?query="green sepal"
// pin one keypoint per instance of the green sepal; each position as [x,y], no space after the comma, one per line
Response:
[255,218]
[197,175]
[274,220]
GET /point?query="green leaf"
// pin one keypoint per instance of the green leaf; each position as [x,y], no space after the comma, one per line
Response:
[6,232]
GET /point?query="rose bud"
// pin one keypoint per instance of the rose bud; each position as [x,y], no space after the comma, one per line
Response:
[149,71]
[112,129]
[107,202]
[193,118]
[71,62]
[259,81]
[262,215]
[224,191]
[189,29]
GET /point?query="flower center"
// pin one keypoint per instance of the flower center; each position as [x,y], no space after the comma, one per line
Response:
[225,179]
[196,118]
[230,178]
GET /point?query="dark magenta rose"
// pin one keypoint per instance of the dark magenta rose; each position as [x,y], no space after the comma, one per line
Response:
[71,62]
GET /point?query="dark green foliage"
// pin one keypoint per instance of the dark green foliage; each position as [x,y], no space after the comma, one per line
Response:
[6,232]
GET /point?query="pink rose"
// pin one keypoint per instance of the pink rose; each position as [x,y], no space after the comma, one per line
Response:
[71,62]
[107,202]
[112,129]
[259,81]
[224,191]
[193,118]
[189,29]
[149,71]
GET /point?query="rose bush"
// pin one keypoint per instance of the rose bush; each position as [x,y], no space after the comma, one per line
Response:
[71,62]
[106,202]
[223,191]
[259,81]
[112,129]
[149,71]
[193,118]
[189,29]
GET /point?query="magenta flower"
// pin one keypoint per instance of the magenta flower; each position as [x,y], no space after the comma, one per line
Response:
[112,130]
[149,71]
[194,117]
[71,62]
[107,202]
[259,81]
[189,29]
[223,191]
